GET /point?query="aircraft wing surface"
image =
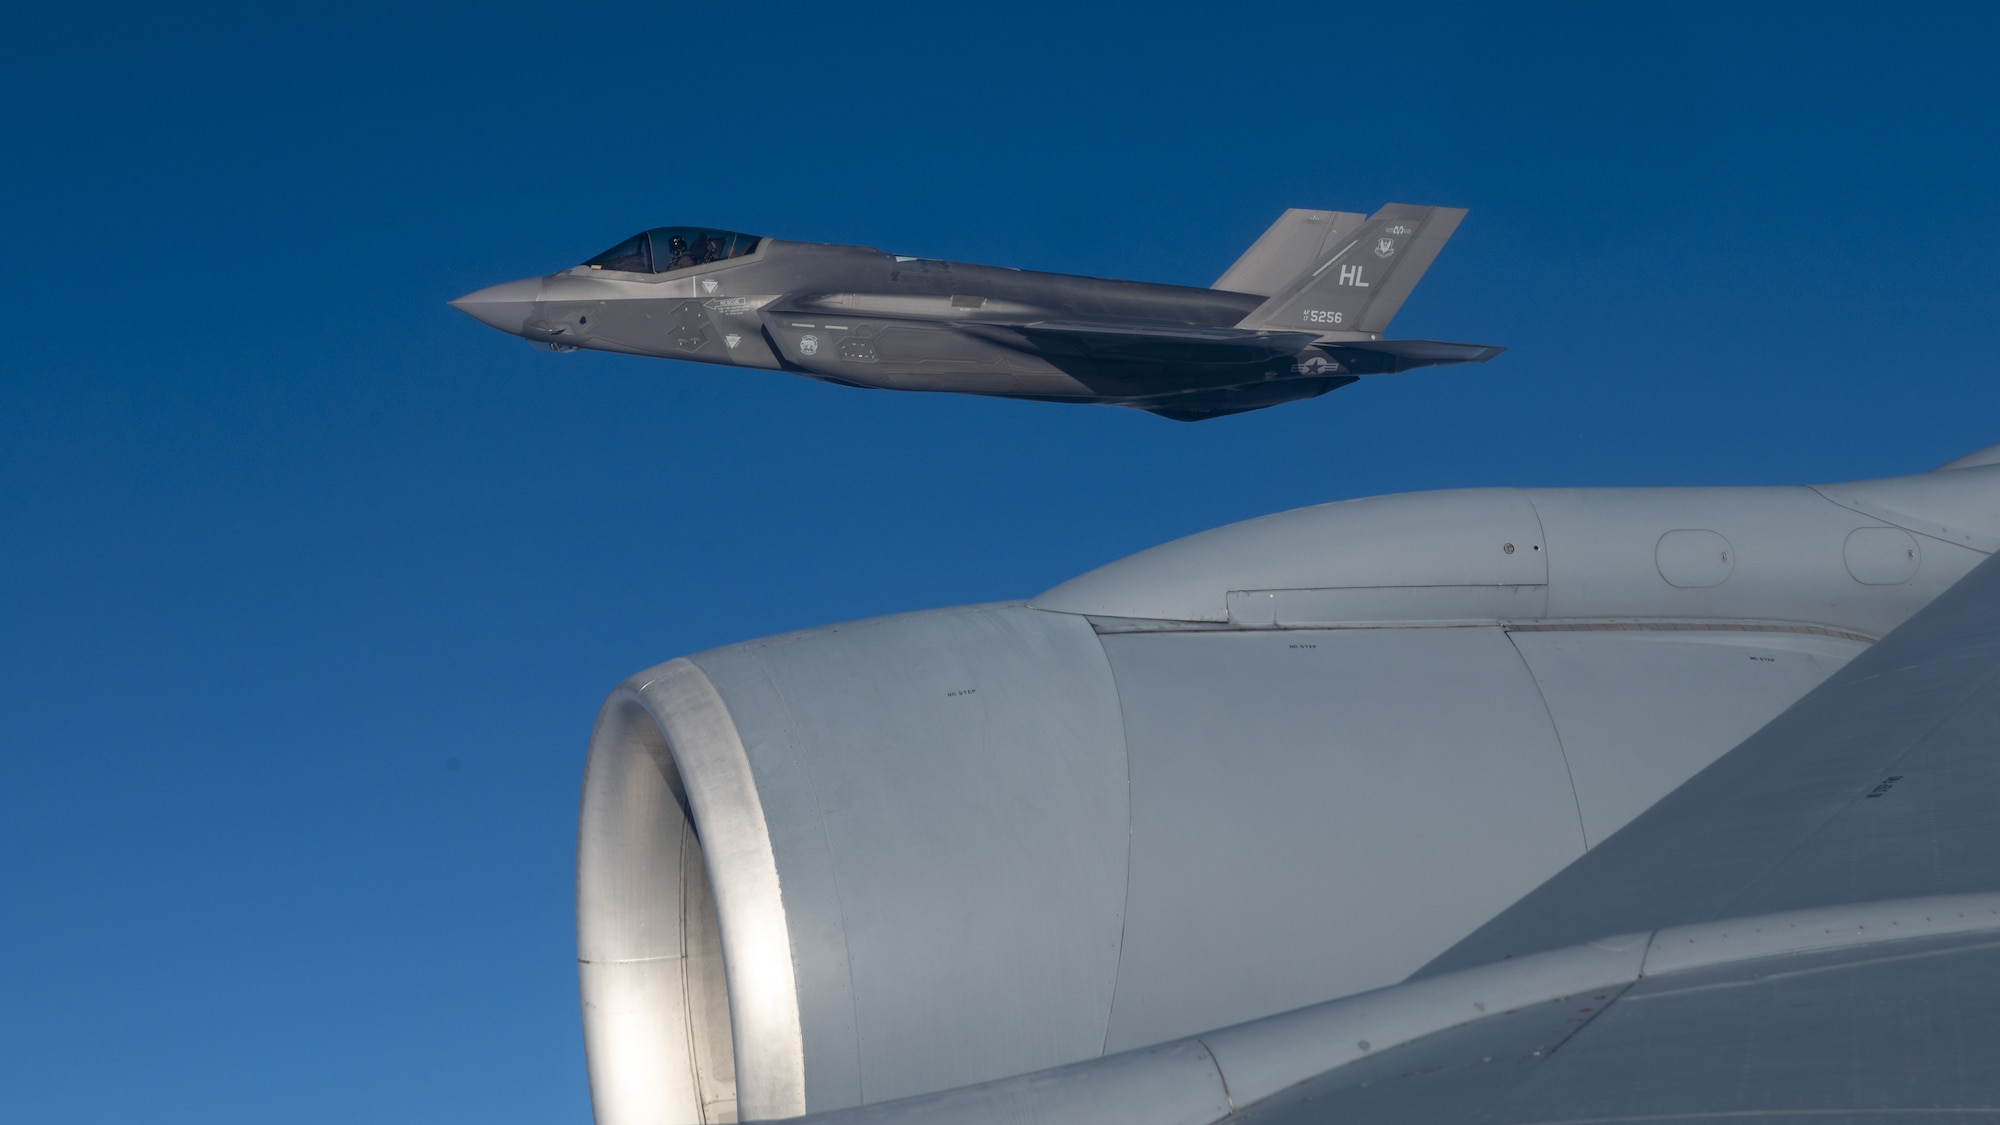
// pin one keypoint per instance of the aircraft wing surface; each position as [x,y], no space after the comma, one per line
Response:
[1167,344]
[1808,930]
[1148,341]
[1883,783]
[1899,1030]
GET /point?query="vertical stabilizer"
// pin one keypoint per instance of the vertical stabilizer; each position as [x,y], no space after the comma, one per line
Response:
[1360,282]
[1297,242]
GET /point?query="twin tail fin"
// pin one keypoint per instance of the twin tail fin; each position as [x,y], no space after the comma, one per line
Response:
[1359,274]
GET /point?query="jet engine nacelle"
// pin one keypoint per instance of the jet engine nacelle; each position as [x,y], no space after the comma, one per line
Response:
[1261,767]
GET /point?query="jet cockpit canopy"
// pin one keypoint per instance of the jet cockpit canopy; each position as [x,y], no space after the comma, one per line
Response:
[664,249]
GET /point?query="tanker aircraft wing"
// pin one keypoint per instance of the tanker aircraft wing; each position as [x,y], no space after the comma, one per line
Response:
[1813,927]
[1807,930]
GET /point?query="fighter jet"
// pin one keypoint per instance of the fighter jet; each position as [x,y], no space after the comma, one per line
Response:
[1301,313]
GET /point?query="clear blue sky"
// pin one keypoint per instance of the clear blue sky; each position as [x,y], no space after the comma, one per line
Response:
[282,536]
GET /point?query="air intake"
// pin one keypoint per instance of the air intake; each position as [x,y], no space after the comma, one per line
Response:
[689,1011]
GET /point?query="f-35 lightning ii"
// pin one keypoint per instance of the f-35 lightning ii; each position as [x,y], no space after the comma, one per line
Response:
[1301,313]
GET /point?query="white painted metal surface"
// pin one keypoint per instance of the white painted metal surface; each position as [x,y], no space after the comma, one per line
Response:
[672,720]
[1250,1062]
[639,986]
[1736,554]
[1367,791]
[1419,539]
[1882,556]
[1639,711]
[1694,558]
[947,795]
[1280,762]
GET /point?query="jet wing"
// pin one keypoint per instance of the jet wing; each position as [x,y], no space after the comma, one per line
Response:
[1212,345]
[1808,929]
[1155,342]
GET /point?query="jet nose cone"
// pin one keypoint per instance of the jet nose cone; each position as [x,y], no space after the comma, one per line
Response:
[504,306]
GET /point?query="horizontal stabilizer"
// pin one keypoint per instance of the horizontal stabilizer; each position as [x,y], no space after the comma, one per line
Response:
[1405,354]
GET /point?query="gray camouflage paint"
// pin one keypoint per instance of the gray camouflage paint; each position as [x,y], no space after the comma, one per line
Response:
[858,317]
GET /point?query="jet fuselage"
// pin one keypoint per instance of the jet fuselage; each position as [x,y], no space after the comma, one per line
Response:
[859,317]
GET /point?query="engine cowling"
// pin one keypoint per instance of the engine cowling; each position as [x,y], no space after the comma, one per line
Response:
[1258,768]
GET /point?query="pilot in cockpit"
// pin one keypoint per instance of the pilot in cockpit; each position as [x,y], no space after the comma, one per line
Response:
[678,256]
[665,249]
